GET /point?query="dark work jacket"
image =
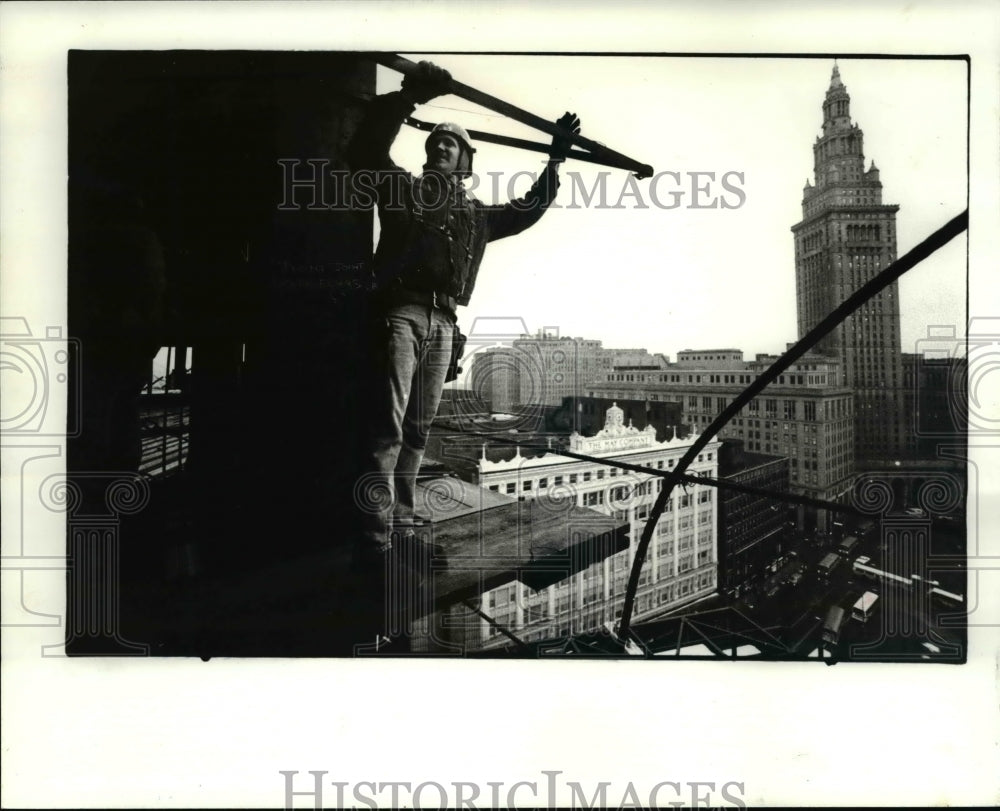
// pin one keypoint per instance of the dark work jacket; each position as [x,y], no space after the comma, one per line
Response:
[433,232]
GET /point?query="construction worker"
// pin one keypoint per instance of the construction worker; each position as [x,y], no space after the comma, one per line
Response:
[433,235]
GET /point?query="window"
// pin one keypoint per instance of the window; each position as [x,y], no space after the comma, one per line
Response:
[572,478]
[543,483]
[586,476]
[511,487]
[526,485]
[600,474]
[495,488]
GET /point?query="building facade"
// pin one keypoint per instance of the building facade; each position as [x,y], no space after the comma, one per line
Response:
[544,369]
[845,238]
[937,403]
[681,564]
[665,416]
[753,529]
[807,414]
[553,367]
[495,378]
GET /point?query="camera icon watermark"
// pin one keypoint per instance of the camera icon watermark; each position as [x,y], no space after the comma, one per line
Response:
[955,380]
[503,372]
[32,370]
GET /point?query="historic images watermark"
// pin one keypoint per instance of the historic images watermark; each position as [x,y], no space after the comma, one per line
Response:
[312,185]
[546,791]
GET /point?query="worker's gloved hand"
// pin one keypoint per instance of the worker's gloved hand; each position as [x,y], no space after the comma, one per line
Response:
[427,83]
[561,145]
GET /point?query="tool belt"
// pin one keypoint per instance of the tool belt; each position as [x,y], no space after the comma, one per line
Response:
[403,295]
[457,351]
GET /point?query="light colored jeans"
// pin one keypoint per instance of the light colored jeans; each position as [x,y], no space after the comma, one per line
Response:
[418,350]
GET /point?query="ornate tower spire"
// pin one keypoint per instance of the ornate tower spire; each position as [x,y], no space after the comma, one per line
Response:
[838,154]
[837,105]
[846,236]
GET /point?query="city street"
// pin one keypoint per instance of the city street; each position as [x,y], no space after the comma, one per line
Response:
[905,624]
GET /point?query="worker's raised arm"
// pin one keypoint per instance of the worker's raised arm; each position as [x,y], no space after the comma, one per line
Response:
[369,149]
[517,215]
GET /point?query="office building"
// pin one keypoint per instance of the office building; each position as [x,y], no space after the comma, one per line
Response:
[681,564]
[544,369]
[753,529]
[937,403]
[495,378]
[846,236]
[806,414]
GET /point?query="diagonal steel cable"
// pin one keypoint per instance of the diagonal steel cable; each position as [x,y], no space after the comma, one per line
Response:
[871,288]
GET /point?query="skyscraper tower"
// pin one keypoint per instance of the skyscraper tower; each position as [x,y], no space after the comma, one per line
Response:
[846,236]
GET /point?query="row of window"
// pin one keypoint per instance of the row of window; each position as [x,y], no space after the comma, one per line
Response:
[594,617]
[528,485]
[832,409]
[509,609]
[721,379]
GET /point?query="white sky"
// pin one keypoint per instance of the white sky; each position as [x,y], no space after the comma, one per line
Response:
[670,279]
